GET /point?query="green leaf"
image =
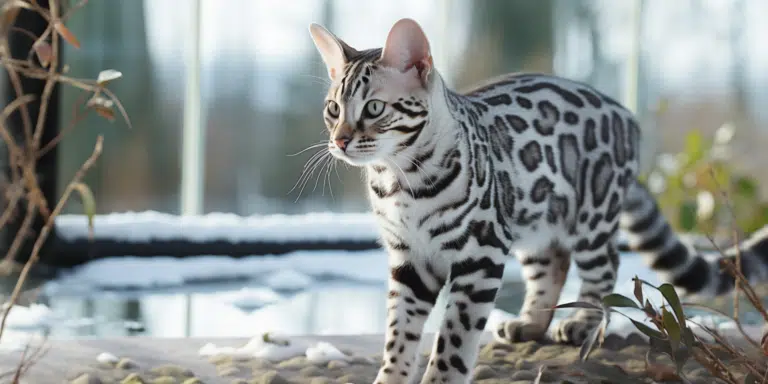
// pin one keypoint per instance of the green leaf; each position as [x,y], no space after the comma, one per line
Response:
[648,331]
[619,301]
[668,290]
[89,205]
[638,289]
[687,215]
[746,187]
[672,328]
[597,334]
[694,146]
[579,304]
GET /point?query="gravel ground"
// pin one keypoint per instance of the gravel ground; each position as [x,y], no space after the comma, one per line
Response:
[619,360]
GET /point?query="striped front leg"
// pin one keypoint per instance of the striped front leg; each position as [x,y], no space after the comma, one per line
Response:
[474,284]
[413,291]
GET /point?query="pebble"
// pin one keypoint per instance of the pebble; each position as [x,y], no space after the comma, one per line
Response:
[133,378]
[126,363]
[86,379]
[172,370]
[271,377]
[484,372]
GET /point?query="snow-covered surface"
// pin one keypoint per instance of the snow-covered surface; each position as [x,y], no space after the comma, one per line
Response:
[276,347]
[150,225]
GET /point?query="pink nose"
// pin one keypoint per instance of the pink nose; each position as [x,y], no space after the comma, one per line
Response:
[342,143]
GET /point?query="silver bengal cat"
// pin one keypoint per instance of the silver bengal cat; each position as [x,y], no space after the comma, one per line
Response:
[530,165]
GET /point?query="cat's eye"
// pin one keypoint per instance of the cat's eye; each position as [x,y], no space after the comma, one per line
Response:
[374,108]
[333,109]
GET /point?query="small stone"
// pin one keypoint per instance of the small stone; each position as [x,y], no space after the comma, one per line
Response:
[484,372]
[133,378]
[164,380]
[311,371]
[522,365]
[172,370]
[349,379]
[523,375]
[296,362]
[193,380]
[361,360]
[320,380]
[260,364]
[219,359]
[86,378]
[228,370]
[271,377]
[126,363]
[239,381]
[333,364]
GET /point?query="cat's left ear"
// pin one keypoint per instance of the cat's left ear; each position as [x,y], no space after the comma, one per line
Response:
[331,49]
[407,47]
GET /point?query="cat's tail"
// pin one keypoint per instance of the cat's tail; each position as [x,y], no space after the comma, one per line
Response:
[650,235]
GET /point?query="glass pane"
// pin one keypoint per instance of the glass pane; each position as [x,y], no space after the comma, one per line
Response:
[140,167]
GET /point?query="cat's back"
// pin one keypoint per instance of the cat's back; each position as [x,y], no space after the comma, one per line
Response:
[524,88]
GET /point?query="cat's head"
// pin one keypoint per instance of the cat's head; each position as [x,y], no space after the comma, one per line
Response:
[378,100]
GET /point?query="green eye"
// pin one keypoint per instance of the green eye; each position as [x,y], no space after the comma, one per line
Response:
[374,108]
[333,109]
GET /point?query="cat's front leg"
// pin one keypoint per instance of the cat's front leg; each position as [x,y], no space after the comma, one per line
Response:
[413,290]
[473,284]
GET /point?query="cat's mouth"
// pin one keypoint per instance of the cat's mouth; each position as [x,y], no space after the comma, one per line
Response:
[354,156]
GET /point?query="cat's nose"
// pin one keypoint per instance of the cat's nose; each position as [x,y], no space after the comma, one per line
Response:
[342,142]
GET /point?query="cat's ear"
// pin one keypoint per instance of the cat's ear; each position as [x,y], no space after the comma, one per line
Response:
[407,47]
[331,49]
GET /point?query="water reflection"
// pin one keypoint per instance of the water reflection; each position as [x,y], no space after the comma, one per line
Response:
[233,310]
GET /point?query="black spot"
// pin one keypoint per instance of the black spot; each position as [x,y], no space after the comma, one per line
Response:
[480,325]
[523,102]
[407,275]
[602,178]
[570,157]
[619,150]
[558,208]
[412,336]
[500,99]
[390,345]
[614,207]
[530,155]
[590,138]
[440,344]
[464,320]
[591,98]
[456,340]
[542,187]
[605,129]
[441,365]
[691,280]
[571,118]
[458,363]
[565,94]
[519,124]
[550,115]
[596,219]
[549,153]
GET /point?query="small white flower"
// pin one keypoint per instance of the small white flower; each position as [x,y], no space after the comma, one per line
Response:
[668,163]
[656,183]
[705,204]
[725,133]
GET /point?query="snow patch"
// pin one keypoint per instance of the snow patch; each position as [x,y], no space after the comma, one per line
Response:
[107,358]
[146,226]
[251,299]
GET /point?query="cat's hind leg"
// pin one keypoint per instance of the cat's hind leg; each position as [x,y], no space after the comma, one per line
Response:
[544,274]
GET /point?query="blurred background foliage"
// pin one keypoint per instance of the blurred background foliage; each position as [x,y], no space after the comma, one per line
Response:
[263,85]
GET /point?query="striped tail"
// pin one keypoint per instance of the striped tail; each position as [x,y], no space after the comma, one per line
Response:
[678,263]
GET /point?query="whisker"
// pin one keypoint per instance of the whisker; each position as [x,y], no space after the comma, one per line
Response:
[315,145]
[410,188]
[314,167]
[310,164]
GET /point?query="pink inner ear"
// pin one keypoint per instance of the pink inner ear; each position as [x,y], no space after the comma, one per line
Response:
[406,47]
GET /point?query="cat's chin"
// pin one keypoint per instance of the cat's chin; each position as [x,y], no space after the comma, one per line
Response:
[356,161]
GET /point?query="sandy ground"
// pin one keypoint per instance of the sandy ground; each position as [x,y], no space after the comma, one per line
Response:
[161,361]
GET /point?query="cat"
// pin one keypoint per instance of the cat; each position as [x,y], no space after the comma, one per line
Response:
[531,166]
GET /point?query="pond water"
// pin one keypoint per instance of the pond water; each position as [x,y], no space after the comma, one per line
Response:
[220,297]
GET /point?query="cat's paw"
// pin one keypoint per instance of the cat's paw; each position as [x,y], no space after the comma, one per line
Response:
[573,331]
[517,331]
